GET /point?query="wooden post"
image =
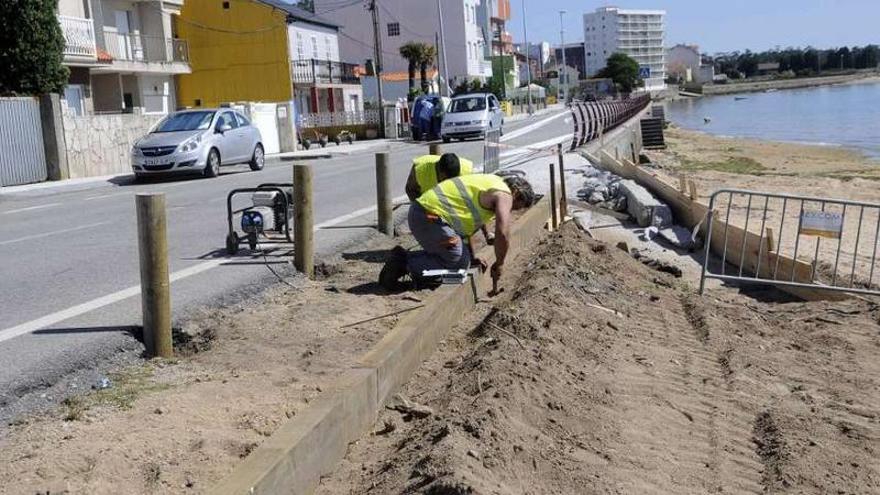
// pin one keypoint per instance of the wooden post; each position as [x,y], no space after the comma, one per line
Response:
[383,194]
[303,221]
[771,246]
[155,285]
[553,204]
[682,185]
[693,188]
[563,199]
[434,149]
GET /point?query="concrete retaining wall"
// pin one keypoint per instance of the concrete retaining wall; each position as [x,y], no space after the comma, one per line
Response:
[100,145]
[804,82]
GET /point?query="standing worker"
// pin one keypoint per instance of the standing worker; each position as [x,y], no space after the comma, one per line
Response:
[444,218]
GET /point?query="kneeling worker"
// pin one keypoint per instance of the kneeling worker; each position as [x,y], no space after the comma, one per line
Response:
[429,170]
[443,219]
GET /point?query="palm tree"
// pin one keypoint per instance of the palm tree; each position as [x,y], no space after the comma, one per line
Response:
[413,53]
[429,52]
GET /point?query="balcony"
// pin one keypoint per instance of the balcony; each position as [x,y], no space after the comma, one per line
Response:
[79,39]
[312,71]
[145,49]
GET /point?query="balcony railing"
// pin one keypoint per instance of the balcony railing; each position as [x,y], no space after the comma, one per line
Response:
[79,37]
[143,48]
[313,71]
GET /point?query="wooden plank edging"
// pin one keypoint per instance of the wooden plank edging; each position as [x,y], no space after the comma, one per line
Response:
[310,445]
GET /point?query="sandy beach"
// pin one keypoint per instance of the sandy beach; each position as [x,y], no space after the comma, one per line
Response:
[812,170]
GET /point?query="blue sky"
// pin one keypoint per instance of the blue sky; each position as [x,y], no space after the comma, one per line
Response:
[721,25]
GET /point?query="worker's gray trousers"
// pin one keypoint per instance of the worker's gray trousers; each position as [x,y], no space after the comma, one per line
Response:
[442,247]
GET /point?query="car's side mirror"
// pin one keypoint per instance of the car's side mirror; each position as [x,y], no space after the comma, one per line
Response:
[223,128]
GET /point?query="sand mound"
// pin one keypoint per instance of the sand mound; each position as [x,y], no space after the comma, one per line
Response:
[598,374]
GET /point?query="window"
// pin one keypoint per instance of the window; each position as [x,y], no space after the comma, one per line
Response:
[467,13]
[315,47]
[226,118]
[242,120]
[300,50]
[327,48]
[393,29]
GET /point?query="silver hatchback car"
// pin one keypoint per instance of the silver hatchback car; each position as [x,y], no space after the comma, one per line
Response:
[198,141]
[472,115]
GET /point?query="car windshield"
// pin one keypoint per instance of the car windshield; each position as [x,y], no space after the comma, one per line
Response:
[472,104]
[186,121]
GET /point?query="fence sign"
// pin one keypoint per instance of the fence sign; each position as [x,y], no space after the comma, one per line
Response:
[822,224]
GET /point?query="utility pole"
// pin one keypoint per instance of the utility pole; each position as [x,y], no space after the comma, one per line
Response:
[377,40]
[563,78]
[528,58]
[443,47]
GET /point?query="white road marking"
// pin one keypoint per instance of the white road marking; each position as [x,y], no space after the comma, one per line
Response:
[47,234]
[531,127]
[80,309]
[30,208]
[542,146]
[104,196]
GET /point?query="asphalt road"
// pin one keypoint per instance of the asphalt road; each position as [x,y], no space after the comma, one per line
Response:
[69,264]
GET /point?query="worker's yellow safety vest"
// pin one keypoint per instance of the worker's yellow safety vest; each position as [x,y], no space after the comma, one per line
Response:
[425,169]
[457,201]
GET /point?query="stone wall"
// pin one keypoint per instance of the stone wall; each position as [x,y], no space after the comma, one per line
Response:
[99,145]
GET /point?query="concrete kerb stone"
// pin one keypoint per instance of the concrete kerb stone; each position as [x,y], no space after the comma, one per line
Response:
[308,446]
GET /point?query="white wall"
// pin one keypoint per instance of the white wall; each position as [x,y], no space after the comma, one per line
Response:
[418,22]
[308,41]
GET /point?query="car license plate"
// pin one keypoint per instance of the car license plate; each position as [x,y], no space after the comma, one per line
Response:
[154,161]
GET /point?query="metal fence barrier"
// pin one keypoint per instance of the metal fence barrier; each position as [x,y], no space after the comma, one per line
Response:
[492,151]
[591,119]
[803,241]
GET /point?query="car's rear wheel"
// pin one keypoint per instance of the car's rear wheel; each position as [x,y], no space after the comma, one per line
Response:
[212,168]
[446,139]
[258,160]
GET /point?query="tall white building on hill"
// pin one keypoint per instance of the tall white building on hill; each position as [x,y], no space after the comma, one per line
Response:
[637,33]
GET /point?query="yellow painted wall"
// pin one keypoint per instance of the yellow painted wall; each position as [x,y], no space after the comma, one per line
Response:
[236,54]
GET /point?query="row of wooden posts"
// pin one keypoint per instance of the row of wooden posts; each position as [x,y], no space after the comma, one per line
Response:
[153,241]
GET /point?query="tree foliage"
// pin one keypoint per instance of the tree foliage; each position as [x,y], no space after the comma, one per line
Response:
[800,61]
[31,48]
[421,56]
[623,70]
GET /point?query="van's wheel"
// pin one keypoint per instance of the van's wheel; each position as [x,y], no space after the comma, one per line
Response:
[232,244]
[307,143]
[446,139]
[258,160]
[212,169]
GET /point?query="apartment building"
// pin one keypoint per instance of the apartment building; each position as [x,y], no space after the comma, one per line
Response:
[122,55]
[466,25]
[265,51]
[637,33]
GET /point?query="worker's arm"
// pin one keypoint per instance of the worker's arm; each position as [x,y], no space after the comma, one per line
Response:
[503,206]
[413,190]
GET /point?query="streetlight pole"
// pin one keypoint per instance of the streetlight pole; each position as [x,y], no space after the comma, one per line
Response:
[443,49]
[528,57]
[563,76]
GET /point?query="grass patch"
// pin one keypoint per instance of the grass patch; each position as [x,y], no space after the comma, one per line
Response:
[732,165]
[126,387]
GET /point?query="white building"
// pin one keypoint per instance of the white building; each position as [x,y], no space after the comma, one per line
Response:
[466,25]
[685,62]
[122,55]
[637,33]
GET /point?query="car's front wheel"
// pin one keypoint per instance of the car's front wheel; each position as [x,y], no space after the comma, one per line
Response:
[212,168]
[258,160]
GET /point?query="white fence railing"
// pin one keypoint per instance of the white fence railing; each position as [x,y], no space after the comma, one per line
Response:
[143,48]
[79,36]
[330,119]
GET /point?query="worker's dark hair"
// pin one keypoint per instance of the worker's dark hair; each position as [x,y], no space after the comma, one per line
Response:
[449,165]
[523,194]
